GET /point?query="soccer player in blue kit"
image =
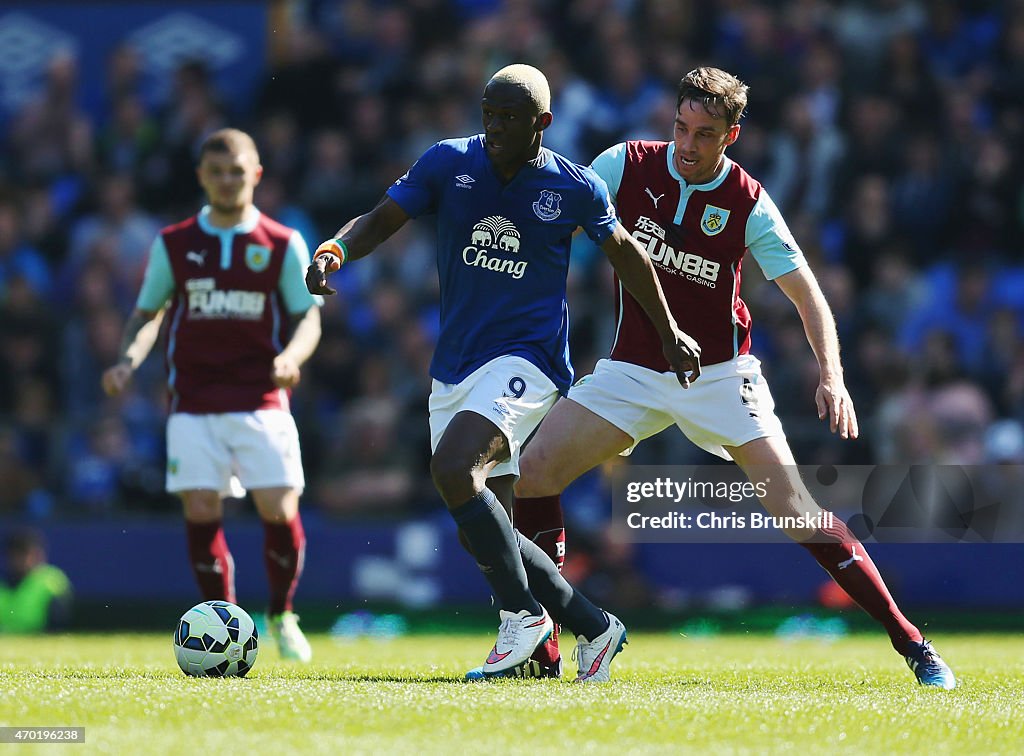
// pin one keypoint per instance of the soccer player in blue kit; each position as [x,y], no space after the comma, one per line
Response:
[506,209]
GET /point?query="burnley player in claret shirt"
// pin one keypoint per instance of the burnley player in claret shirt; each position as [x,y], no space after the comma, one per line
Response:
[230,281]
[698,213]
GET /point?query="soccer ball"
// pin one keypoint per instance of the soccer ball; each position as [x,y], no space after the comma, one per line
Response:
[216,639]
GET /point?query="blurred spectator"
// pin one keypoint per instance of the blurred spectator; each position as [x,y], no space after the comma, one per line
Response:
[124,76]
[35,596]
[628,97]
[1004,443]
[573,99]
[367,477]
[922,195]
[750,44]
[895,292]
[873,148]
[36,420]
[820,81]
[864,27]
[52,137]
[126,144]
[328,180]
[194,112]
[392,52]
[43,222]
[273,199]
[962,413]
[909,82]
[1009,73]
[118,233]
[960,36]
[91,343]
[29,342]
[282,141]
[604,565]
[989,221]
[17,258]
[868,226]
[1001,480]
[806,154]
[1004,349]
[19,480]
[98,462]
[959,307]
[297,80]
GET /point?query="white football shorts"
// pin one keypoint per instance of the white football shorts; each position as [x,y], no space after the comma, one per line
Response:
[220,451]
[729,404]
[509,391]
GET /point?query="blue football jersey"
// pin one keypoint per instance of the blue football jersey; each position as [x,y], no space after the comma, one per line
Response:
[503,252]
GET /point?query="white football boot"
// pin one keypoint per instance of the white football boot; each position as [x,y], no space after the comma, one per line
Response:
[518,637]
[595,657]
[290,641]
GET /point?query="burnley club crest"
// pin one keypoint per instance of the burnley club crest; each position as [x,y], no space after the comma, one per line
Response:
[713,220]
[257,257]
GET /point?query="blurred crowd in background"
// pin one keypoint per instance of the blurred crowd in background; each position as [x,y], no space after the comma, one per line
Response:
[889,132]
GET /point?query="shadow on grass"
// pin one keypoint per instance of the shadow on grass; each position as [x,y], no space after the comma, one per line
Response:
[304,676]
[99,674]
[364,678]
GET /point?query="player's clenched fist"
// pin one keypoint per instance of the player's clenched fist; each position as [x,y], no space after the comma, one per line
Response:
[116,379]
[328,258]
[683,354]
[285,372]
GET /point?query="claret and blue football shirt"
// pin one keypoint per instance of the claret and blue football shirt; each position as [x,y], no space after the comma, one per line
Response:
[503,252]
[697,236]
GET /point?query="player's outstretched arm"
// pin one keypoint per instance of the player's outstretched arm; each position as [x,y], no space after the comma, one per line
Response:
[637,274]
[831,397]
[140,333]
[357,238]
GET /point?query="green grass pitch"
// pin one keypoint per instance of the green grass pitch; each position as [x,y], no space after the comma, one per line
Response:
[669,694]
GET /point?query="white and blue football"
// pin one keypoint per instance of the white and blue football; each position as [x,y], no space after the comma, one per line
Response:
[216,639]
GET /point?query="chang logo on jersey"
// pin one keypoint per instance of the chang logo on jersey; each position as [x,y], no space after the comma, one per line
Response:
[216,304]
[693,267]
[492,236]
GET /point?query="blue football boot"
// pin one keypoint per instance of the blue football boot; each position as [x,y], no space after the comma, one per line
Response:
[929,667]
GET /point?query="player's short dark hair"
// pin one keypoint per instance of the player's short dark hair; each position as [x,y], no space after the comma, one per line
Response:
[230,141]
[721,93]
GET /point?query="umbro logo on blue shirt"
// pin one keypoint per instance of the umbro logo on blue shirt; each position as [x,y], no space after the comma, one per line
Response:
[464,181]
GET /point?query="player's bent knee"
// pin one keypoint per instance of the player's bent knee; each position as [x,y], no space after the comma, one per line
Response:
[536,488]
[537,479]
[201,506]
[276,505]
[453,479]
[276,516]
